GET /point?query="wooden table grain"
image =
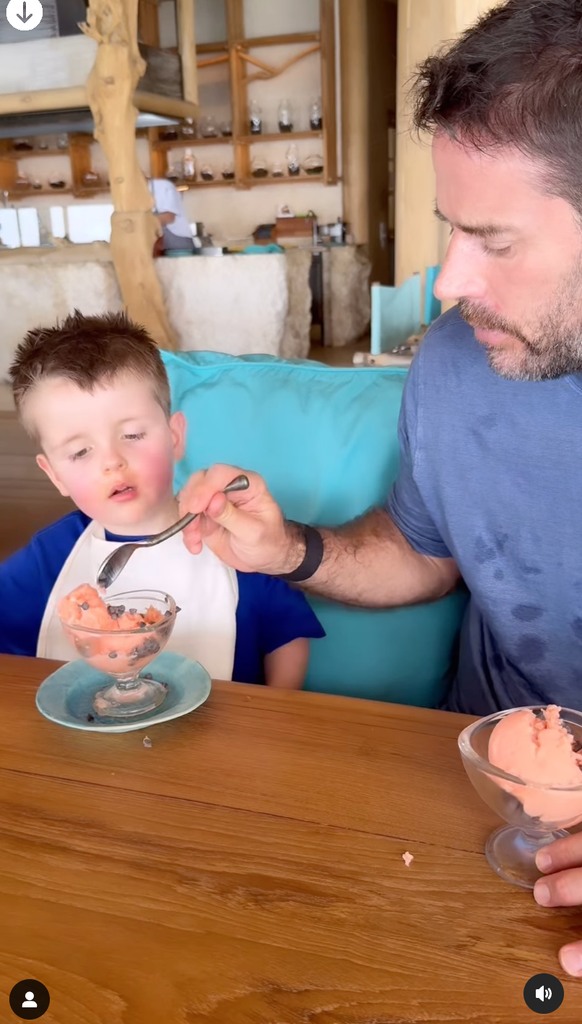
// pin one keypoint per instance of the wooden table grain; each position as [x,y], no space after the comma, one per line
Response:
[246,868]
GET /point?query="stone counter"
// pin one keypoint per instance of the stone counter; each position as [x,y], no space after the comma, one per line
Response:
[259,303]
[233,303]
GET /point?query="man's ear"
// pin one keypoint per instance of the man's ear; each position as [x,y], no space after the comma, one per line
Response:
[44,464]
[178,429]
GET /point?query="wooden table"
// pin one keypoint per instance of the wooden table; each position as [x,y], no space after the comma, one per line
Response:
[247,868]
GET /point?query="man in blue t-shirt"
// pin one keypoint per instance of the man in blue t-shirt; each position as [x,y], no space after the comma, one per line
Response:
[489,489]
[94,393]
[490,485]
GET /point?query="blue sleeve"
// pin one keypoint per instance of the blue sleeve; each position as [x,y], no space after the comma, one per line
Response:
[269,615]
[405,504]
[27,579]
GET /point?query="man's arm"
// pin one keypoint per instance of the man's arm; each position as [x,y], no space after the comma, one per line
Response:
[369,562]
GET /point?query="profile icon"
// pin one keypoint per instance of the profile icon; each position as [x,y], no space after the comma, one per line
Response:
[29,999]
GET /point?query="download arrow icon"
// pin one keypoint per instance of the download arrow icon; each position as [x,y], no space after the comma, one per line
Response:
[24,15]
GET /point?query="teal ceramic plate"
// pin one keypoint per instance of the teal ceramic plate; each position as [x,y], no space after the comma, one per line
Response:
[66,696]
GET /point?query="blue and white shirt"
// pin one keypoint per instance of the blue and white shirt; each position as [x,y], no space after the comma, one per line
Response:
[269,613]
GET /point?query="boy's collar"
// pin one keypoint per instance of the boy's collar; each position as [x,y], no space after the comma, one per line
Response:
[118,538]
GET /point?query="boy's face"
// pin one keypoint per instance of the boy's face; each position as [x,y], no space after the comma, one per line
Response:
[111,450]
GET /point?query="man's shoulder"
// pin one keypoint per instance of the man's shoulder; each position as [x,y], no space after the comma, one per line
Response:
[451,337]
[451,359]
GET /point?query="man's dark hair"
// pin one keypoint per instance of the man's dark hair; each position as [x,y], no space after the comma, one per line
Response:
[513,79]
[88,351]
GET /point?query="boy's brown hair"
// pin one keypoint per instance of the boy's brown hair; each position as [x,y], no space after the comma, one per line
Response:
[88,351]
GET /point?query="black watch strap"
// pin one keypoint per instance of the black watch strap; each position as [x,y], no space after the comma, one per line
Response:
[312,559]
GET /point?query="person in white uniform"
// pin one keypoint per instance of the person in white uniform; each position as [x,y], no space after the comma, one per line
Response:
[169,209]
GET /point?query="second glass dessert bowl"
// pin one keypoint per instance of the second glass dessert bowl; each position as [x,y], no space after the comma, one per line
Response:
[123,653]
[537,813]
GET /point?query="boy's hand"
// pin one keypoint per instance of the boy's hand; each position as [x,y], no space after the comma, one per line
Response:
[561,886]
[245,529]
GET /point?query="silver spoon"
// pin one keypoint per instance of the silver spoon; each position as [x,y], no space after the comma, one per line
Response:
[118,559]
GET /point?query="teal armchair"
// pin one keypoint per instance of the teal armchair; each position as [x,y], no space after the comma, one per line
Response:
[325,440]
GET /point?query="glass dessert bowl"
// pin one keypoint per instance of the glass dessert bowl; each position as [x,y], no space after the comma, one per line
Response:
[525,763]
[119,636]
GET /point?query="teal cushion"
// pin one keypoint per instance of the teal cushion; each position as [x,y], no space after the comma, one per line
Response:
[324,438]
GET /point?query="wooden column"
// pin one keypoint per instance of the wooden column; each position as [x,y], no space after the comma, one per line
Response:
[423,25]
[134,228]
[187,47]
[354,119]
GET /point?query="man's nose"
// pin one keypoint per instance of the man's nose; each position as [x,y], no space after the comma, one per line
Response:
[461,275]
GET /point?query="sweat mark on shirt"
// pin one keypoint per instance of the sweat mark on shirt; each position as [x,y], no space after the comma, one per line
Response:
[500,541]
[526,612]
[528,570]
[576,625]
[499,575]
[487,421]
[530,649]
[483,551]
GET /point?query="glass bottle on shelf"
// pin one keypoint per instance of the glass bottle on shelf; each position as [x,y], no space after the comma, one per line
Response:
[208,127]
[168,133]
[255,119]
[188,128]
[259,167]
[293,166]
[285,116]
[189,166]
[315,116]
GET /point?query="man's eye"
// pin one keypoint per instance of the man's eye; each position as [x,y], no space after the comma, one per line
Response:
[503,250]
[135,437]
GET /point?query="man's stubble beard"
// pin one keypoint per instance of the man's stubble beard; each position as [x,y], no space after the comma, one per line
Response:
[552,349]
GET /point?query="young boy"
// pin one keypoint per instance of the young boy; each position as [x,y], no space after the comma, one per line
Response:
[94,395]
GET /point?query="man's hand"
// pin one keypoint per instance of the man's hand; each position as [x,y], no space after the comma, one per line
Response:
[561,886]
[245,529]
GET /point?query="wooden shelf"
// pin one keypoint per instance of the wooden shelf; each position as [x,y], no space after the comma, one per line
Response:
[217,182]
[78,154]
[251,140]
[26,154]
[229,140]
[285,179]
[94,190]
[237,49]
[210,47]
[215,140]
[26,193]
[285,40]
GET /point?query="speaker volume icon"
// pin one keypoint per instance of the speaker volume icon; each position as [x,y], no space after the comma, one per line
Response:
[543,993]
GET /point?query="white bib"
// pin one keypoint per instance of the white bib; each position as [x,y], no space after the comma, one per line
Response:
[203,587]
